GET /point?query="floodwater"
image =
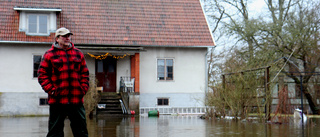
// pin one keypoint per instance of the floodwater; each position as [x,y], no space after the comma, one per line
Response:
[163,126]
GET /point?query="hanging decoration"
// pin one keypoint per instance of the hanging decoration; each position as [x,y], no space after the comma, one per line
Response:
[101,57]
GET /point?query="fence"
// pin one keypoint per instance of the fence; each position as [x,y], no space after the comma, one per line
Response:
[176,110]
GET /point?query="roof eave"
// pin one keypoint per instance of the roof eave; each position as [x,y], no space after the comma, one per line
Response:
[91,44]
[132,45]
[38,9]
[25,42]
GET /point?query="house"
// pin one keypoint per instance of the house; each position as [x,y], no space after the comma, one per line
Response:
[162,44]
[296,87]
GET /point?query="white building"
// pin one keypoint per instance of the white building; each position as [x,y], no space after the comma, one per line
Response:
[161,44]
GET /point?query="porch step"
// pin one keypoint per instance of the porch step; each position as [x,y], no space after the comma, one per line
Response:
[111,95]
[109,112]
[111,103]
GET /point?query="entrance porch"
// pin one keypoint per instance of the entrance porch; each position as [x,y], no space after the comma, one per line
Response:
[116,72]
[113,64]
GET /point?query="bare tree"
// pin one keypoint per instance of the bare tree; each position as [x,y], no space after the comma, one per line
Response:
[292,28]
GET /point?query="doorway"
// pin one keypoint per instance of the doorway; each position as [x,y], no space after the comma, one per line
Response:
[106,74]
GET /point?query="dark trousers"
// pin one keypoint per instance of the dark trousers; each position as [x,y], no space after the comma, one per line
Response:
[76,115]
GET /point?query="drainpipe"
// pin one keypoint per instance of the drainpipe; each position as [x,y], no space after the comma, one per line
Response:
[206,71]
[214,43]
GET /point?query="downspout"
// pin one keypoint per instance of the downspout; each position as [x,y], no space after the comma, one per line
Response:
[206,55]
[206,71]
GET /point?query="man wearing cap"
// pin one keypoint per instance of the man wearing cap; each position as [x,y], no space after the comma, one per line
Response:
[64,75]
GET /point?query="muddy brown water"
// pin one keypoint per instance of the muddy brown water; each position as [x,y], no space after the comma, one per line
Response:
[163,126]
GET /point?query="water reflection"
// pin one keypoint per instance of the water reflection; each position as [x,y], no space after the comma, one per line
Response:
[193,126]
[172,126]
[23,126]
[143,126]
[163,126]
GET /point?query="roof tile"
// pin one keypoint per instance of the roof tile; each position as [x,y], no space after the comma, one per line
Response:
[116,22]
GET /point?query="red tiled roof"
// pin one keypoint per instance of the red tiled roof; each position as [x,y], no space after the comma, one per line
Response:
[116,22]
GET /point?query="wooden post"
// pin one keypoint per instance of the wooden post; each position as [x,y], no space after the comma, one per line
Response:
[224,88]
[135,71]
[268,93]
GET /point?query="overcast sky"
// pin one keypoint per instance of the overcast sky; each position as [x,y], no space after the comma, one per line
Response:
[255,7]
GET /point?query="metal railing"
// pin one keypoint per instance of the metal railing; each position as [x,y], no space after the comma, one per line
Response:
[124,110]
[175,110]
[127,84]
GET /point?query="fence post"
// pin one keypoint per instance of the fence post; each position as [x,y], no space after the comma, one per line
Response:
[268,93]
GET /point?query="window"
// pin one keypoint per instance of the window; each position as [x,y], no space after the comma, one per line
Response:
[317,90]
[163,101]
[37,24]
[165,69]
[283,90]
[36,64]
[37,21]
[43,101]
[100,66]
[298,90]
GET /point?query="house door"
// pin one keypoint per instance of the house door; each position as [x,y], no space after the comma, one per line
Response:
[106,74]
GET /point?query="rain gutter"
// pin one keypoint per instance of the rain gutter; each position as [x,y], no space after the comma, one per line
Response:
[92,45]
[24,42]
[38,9]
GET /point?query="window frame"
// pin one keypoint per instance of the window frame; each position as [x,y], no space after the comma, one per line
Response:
[37,23]
[46,103]
[163,101]
[33,65]
[316,88]
[51,14]
[165,73]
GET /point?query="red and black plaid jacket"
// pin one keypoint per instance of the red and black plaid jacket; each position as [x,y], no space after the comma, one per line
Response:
[64,75]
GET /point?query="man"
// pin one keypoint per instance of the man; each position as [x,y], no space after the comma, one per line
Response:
[64,75]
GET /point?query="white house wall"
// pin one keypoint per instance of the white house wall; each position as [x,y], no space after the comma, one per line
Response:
[123,69]
[90,64]
[19,91]
[188,87]
[16,65]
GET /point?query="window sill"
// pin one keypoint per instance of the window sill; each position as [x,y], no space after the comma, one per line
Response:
[35,34]
[165,80]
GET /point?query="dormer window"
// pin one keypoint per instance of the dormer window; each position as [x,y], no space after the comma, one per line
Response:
[37,24]
[37,21]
